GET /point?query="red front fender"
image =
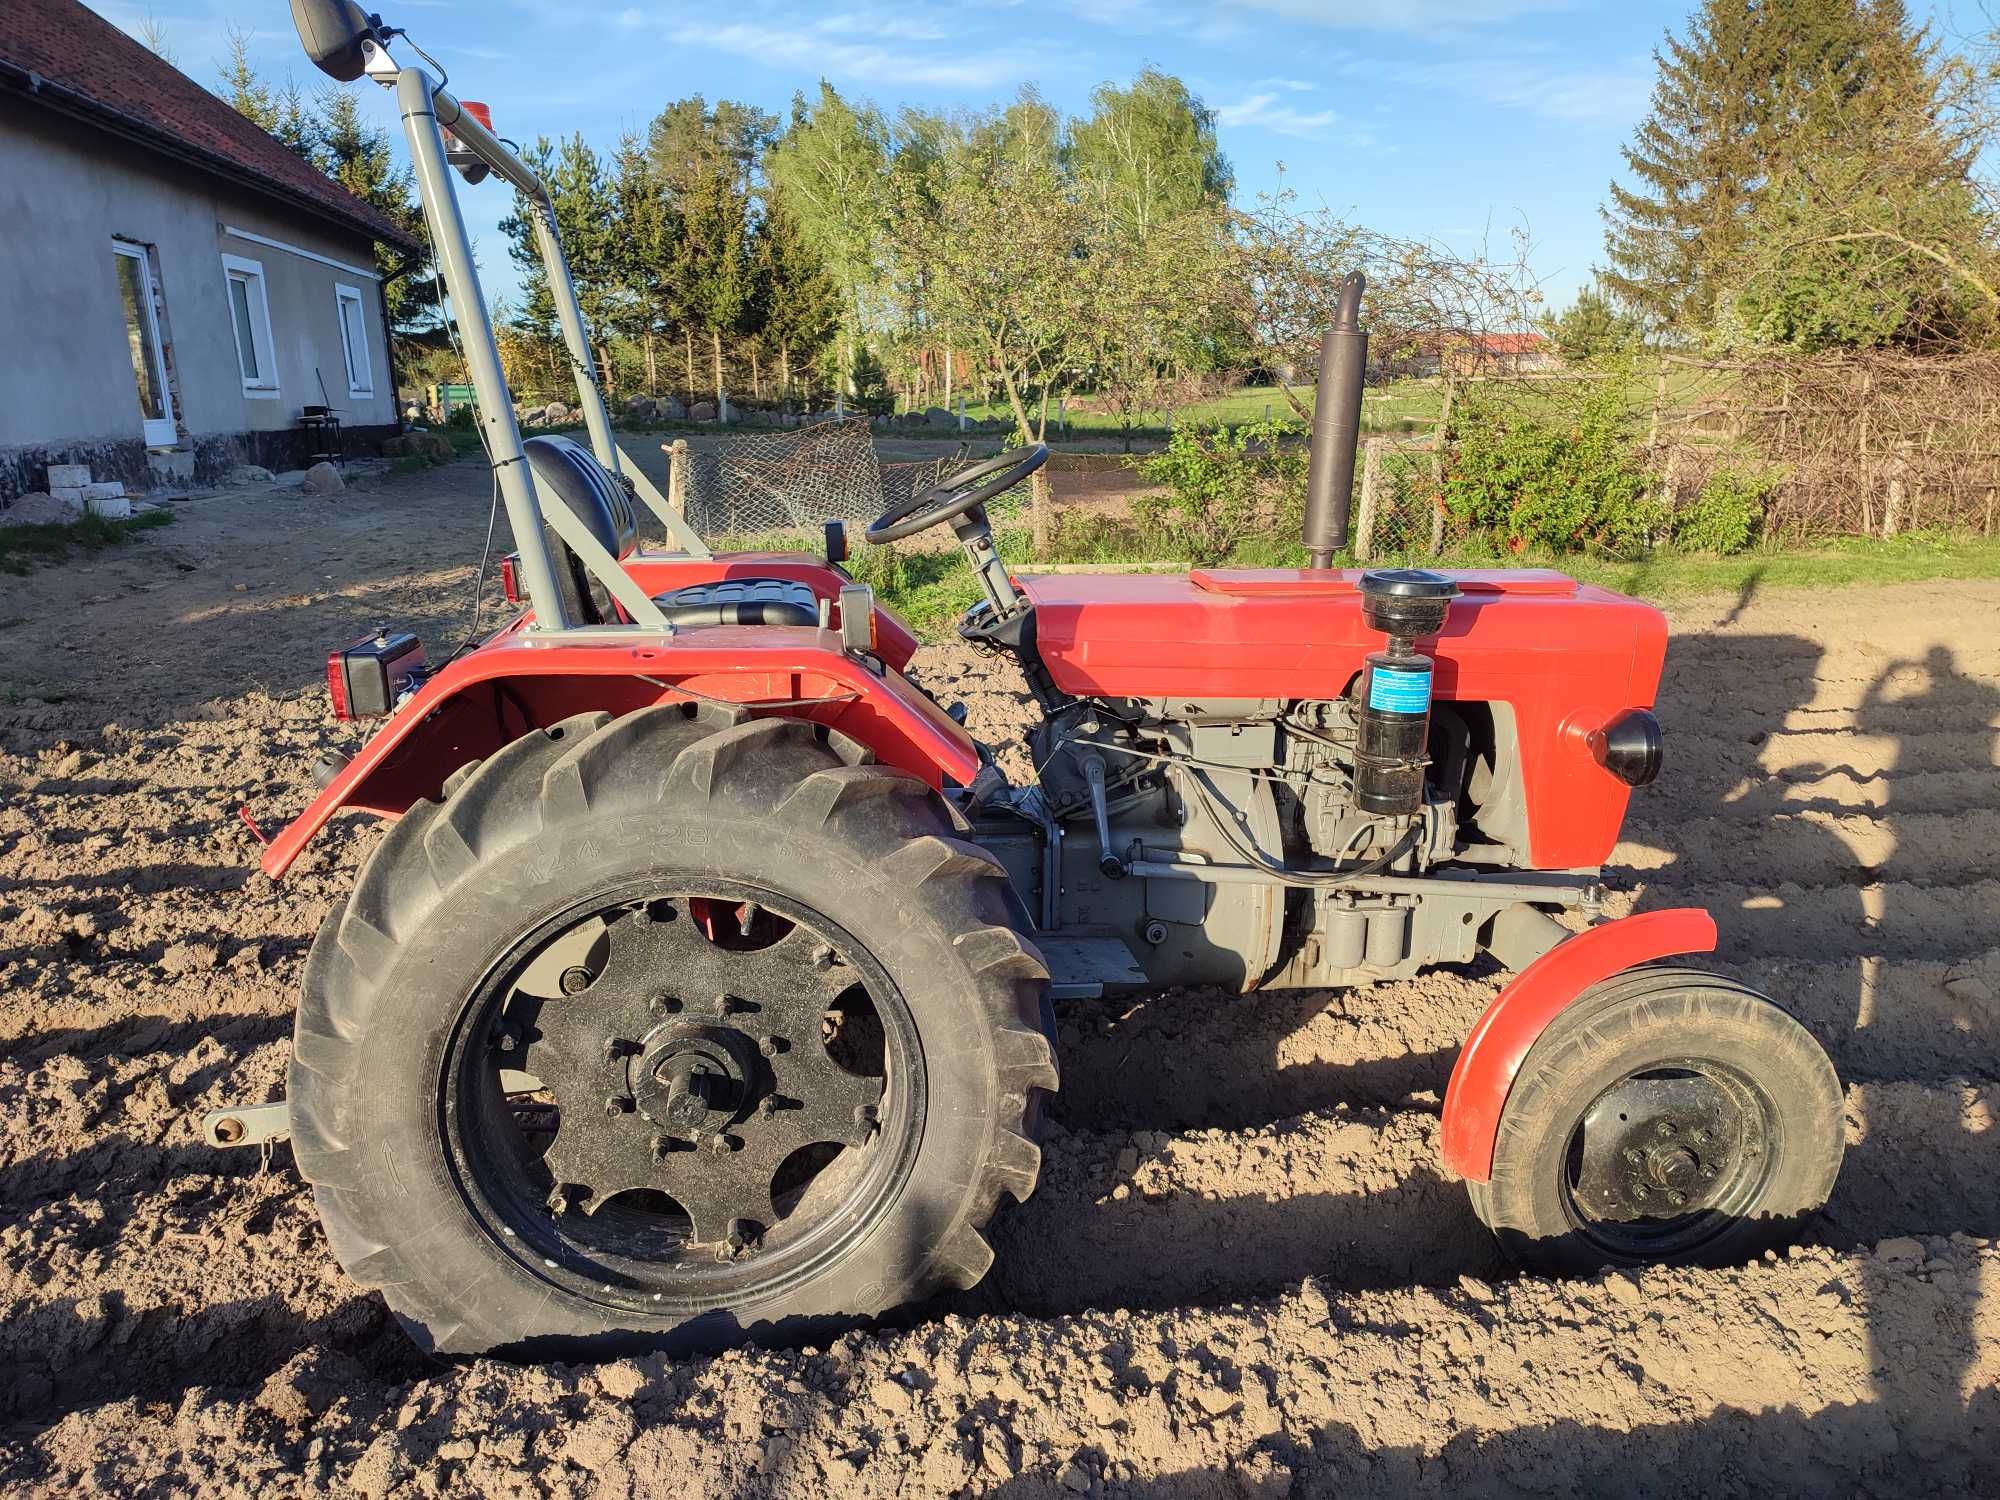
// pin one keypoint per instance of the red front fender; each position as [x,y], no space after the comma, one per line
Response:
[1500,1040]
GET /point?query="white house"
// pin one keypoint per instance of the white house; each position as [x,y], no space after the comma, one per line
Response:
[176,287]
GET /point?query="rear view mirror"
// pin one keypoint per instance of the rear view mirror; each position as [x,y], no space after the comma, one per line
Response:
[332,32]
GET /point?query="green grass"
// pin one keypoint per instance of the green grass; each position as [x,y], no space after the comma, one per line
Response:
[1408,406]
[25,548]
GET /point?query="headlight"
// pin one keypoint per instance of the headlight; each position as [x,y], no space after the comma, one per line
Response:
[1629,747]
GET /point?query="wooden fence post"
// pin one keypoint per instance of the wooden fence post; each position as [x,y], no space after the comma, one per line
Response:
[677,456]
[1364,526]
[1892,507]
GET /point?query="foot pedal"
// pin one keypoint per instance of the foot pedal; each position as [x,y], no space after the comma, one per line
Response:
[1083,968]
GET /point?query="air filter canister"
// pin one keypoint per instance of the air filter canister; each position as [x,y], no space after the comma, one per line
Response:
[1394,715]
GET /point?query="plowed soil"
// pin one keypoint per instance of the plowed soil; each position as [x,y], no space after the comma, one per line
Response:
[1244,1272]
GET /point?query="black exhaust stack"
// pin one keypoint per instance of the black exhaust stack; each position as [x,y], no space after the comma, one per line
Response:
[1343,357]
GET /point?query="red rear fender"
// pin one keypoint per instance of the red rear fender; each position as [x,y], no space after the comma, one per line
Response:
[518,682]
[1521,1012]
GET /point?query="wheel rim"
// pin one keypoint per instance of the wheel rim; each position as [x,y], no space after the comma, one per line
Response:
[1668,1157]
[682,1098]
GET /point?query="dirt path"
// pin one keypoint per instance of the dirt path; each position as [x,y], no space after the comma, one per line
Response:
[1244,1273]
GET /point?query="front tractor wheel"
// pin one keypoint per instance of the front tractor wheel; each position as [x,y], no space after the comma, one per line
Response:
[668,1031]
[1668,1115]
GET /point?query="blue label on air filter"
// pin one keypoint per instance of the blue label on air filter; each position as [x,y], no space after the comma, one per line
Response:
[1400,692]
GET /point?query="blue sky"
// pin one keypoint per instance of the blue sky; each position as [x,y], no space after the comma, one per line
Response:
[1462,121]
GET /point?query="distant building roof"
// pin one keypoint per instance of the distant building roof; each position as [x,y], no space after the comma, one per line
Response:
[1508,343]
[61,54]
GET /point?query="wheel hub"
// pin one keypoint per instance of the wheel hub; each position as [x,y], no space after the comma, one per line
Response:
[697,1068]
[1659,1147]
[693,1080]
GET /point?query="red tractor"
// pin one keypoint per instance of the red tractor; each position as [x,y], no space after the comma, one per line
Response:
[703,988]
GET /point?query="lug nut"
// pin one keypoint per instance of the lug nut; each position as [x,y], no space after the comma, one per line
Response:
[769,1046]
[618,1104]
[1641,1191]
[575,981]
[1664,1128]
[767,1106]
[616,1047]
[1677,1197]
[663,1147]
[1633,1155]
[664,1005]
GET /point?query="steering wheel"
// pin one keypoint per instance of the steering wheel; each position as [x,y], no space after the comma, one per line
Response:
[951,498]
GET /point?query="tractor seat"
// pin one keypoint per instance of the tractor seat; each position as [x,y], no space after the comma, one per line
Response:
[573,475]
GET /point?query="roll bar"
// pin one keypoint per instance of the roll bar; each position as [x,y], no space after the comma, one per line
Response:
[427,111]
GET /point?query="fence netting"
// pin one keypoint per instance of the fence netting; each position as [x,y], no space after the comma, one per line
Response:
[778,487]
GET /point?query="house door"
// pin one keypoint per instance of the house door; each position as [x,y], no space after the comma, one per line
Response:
[142,334]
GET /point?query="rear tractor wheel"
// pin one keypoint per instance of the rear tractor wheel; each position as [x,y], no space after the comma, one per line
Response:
[668,1031]
[1668,1115]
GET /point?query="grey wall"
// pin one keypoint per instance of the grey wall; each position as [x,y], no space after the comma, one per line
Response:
[66,192]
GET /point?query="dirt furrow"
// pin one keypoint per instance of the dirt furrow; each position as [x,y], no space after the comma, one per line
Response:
[1820,848]
[1732,792]
[1794,1377]
[1785,920]
[1154,1218]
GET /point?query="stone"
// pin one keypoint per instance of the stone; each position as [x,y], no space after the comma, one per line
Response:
[891,1395]
[704,411]
[642,406]
[1901,1250]
[68,476]
[670,409]
[40,510]
[116,507]
[1074,1477]
[556,414]
[533,416]
[323,479]
[433,446]
[249,474]
[937,416]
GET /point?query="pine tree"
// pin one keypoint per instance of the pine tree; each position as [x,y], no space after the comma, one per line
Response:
[586,210]
[1754,88]
[704,160]
[798,306]
[356,155]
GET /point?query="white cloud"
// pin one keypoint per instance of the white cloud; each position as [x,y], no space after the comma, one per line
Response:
[1264,112]
[1289,85]
[1405,15]
[779,44]
[884,28]
[1615,95]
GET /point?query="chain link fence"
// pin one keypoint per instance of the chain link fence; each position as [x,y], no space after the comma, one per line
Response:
[1399,502]
[777,488]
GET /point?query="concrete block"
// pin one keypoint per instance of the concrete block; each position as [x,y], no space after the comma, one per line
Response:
[68,476]
[71,494]
[112,507]
[110,489]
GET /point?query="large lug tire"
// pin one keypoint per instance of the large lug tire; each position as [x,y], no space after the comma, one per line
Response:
[1668,1115]
[393,1107]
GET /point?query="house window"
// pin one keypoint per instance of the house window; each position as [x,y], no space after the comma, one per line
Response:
[250,316]
[134,265]
[354,339]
